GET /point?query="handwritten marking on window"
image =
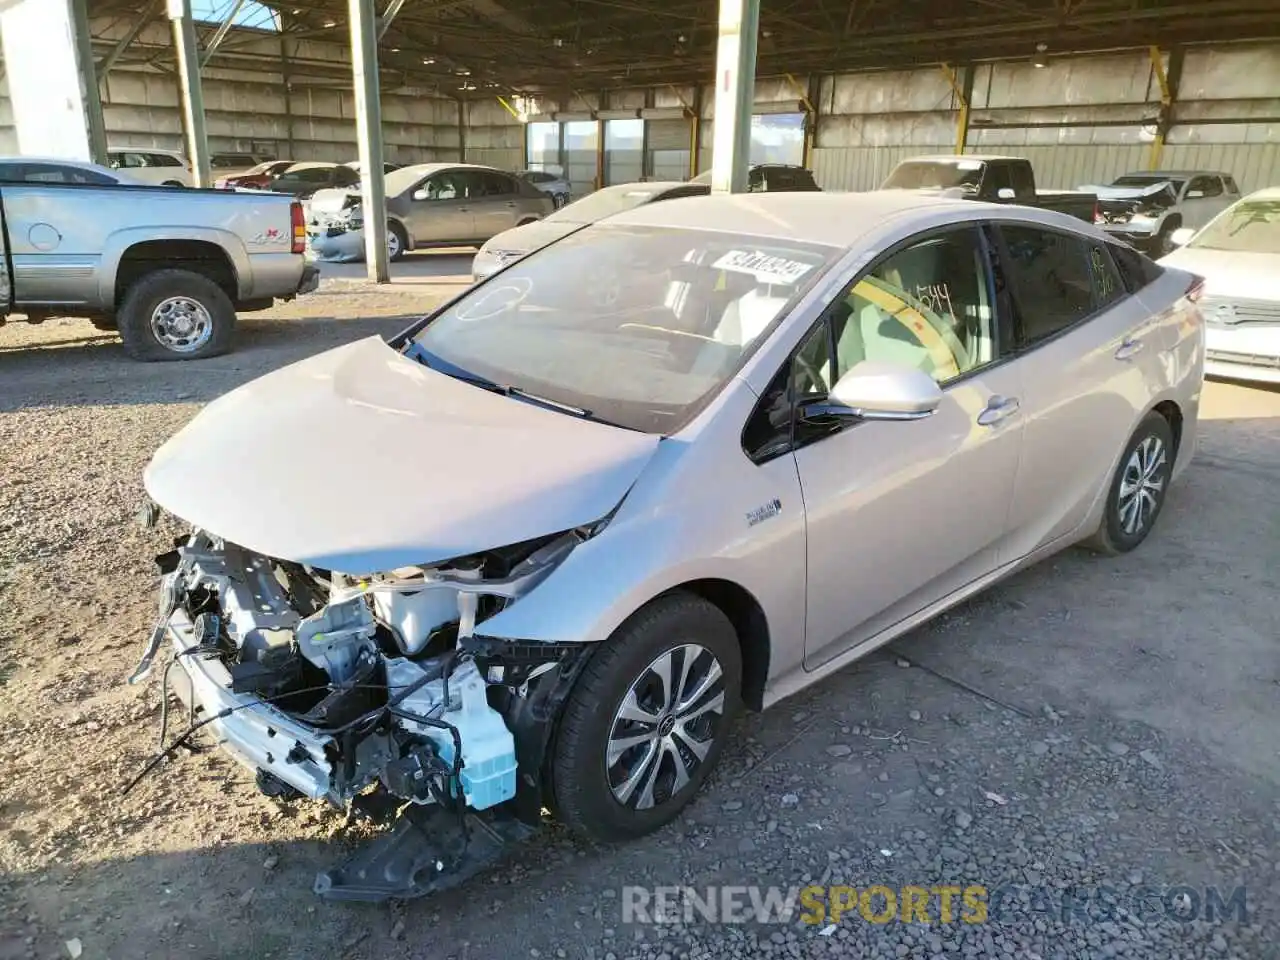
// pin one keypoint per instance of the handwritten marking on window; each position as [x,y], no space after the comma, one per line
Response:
[936,297]
[1106,282]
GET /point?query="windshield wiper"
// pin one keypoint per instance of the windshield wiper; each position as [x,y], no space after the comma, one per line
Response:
[429,360]
[432,362]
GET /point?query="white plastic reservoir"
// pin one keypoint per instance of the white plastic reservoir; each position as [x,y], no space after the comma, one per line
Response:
[488,748]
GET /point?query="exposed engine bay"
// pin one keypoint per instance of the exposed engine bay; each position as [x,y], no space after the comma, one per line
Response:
[372,690]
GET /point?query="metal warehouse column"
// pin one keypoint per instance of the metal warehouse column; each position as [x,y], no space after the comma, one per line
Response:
[735,94]
[44,64]
[364,66]
[188,57]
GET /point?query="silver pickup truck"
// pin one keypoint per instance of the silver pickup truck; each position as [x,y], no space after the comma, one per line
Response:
[168,268]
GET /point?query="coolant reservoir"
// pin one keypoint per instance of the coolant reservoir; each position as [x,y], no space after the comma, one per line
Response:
[488,748]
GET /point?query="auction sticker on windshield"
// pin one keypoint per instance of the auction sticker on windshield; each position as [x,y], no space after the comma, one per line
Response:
[764,267]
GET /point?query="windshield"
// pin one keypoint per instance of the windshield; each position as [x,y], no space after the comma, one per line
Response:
[927,174]
[603,203]
[1147,180]
[637,325]
[1251,226]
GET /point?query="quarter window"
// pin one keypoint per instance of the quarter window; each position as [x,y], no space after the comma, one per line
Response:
[1051,279]
[1136,269]
[927,307]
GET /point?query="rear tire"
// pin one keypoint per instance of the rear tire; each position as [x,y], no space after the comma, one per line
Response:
[617,778]
[175,315]
[1138,489]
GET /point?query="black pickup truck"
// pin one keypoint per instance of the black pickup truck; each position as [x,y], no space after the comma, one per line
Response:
[993,179]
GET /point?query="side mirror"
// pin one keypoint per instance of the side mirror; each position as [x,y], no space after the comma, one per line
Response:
[880,391]
[1182,236]
[420,194]
[1194,195]
[1006,193]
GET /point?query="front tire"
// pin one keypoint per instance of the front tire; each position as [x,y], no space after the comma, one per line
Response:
[175,315]
[647,720]
[1137,491]
[397,242]
[1163,244]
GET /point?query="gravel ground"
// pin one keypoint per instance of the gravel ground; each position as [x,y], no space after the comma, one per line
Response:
[1091,723]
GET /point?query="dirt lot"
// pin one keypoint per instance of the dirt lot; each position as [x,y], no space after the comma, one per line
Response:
[1090,723]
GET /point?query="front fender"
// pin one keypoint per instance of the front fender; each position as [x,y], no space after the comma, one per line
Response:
[694,514]
[120,241]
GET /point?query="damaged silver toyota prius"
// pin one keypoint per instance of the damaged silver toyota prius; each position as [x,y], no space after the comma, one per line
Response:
[535,552]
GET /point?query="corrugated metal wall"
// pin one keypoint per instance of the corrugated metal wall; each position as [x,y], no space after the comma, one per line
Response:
[1078,120]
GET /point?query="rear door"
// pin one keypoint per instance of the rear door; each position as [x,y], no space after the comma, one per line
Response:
[1088,353]
[496,208]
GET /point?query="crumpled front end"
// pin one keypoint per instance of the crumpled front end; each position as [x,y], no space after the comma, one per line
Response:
[1133,213]
[374,690]
[335,226]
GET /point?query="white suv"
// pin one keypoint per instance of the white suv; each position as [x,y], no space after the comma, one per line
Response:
[148,165]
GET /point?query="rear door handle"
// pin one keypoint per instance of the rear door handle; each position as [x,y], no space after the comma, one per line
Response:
[998,410]
[1129,349]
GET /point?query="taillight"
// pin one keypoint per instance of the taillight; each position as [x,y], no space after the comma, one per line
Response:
[299,224]
[1097,212]
[1196,290]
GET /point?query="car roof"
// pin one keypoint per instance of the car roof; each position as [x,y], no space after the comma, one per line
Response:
[832,219]
[1266,193]
[310,165]
[63,161]
[1175,173]
[952,157]
[426,168]
[132,149]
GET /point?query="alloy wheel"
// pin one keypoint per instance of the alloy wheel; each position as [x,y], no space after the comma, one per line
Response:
[665,726]
[1142,485]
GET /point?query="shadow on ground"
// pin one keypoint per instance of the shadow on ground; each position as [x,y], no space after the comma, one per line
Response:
[69,367]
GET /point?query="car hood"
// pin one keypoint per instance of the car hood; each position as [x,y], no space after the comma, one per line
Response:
[1126,193]
[1230,273]
[531,236]
[361,460]
[331,200]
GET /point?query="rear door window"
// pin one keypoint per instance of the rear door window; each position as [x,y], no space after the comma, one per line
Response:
[1052,280]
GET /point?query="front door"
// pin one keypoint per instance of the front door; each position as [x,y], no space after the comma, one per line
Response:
[1086,348]
[901,514]
[440,209]
[1204,200]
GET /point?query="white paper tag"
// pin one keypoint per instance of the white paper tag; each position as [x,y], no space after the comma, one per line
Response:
[765,267]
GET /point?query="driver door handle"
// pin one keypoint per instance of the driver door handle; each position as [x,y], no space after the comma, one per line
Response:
[998,410]
[1129,349]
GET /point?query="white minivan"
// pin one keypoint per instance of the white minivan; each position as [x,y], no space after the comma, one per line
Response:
[160,167]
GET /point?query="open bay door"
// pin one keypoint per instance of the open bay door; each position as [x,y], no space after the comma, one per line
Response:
[668,139]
